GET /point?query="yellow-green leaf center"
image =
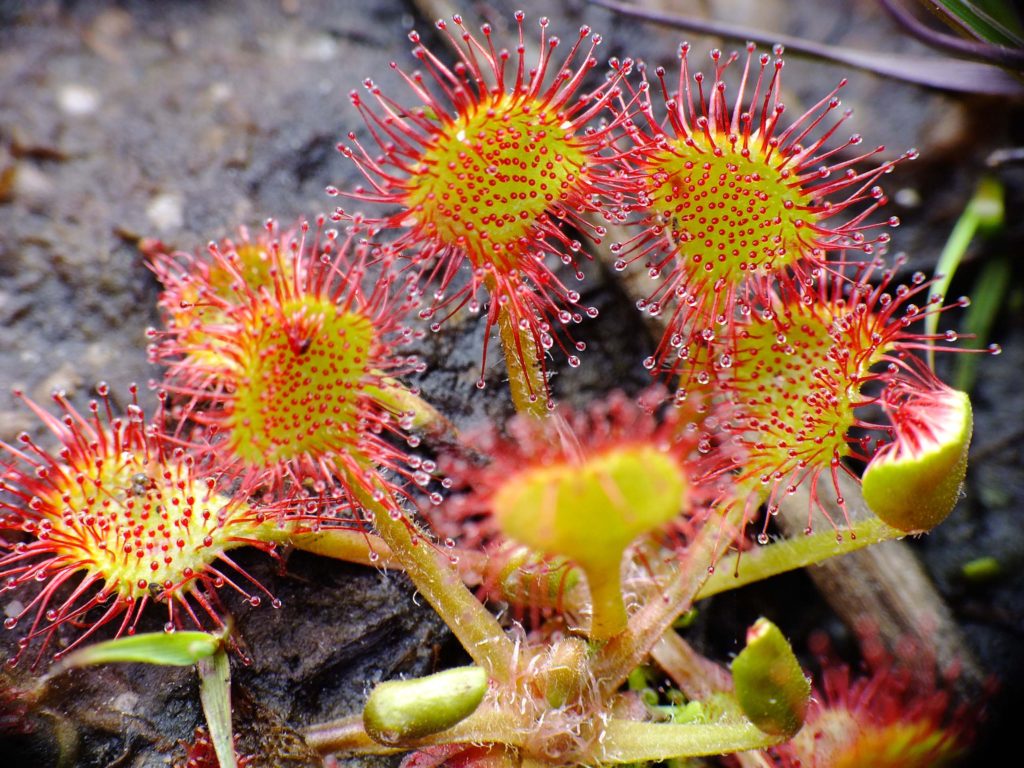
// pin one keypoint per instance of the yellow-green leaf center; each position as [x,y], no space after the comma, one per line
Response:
[301,376]
[140,523]
[491,175]
[729,213]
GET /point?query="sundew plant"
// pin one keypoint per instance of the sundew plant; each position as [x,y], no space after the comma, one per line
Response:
[564,546]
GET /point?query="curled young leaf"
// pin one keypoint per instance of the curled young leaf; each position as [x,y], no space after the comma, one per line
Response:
[914,483]
[399,710]
[770,685]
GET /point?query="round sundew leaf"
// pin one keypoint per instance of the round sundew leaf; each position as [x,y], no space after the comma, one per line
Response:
[912,744]
[915,487]
[854,734]
[796,385]
[156,523]
[590,512]
[120,514]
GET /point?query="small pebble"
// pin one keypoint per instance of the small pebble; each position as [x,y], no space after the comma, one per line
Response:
[77,100]
[166,211]
[13,608]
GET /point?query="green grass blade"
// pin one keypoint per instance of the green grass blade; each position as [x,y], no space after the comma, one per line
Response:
[987,298]
[992,20]
[985,213]
[215,695]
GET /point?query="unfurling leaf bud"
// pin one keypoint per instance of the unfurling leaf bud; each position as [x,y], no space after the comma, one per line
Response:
[399,710]
[563,674]
[770,685]
[915,484]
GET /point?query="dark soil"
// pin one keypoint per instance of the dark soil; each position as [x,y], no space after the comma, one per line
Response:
[185,120]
